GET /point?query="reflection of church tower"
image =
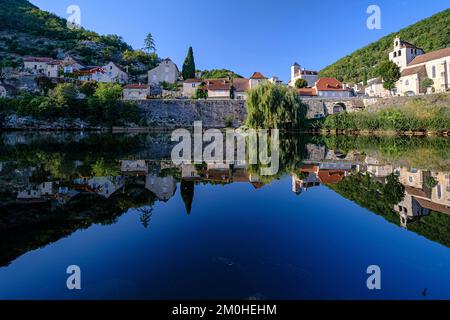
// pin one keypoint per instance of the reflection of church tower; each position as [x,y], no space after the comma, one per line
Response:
[187,194]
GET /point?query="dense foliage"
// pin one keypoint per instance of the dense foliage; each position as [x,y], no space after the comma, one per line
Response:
[430,34]
[301,83]
[218,73]
[274,106]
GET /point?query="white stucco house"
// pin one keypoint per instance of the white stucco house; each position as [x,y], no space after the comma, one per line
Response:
[113,73]
[375,88]
[298,73]
[167,71]
[70,65]
[331,88]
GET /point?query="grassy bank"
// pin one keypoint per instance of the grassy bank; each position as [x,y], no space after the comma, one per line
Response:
[417,115]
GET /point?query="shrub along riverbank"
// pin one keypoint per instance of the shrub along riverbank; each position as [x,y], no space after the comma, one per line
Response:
[102,105]
[418,115]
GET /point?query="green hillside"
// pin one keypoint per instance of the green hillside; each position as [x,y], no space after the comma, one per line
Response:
[27,30]
[430,34]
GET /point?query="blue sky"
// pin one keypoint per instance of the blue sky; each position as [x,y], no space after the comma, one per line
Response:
[248,35]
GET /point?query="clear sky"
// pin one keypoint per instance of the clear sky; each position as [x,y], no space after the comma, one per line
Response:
[248,35]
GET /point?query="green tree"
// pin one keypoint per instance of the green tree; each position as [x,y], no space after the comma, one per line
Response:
[427,83]
[390,73]
[88,88]
[274,106]
[188,71]
[64,95]
[108,93]
[365,80]
[149,43]
[301,83]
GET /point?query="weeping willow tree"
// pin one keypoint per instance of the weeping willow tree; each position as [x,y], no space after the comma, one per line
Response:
[272,106]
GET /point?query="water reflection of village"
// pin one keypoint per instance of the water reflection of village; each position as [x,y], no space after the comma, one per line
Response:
[425,191]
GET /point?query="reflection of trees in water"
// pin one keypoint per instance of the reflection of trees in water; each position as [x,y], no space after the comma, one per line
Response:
[381,198]
[145,215]
[187,193]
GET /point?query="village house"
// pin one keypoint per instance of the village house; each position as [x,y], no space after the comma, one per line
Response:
[375,88]
[241,86]
[134,167]
[70,65]
[326,88]
[256,79]
[37,192]
[416,66]
[136,92]
[331,88]
[190,87]
[113,73]
[218,88]
[42,66]
[110,73]
[90,73]
[167,71]
[298,73]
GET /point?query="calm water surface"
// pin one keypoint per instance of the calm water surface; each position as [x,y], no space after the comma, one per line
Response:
[140,227]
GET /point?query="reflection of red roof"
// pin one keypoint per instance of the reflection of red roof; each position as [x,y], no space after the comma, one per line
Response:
[433,206]
[307,92]
[257,75]
[257,185]
[310,168]
[136,86]
[416,192]
[329,84]
[331,176]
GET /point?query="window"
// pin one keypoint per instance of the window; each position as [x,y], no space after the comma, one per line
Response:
[396,43]
[433,72]
[407,83]
[439,191]
[399,53]
[412,51]
[395,54]
[411,179]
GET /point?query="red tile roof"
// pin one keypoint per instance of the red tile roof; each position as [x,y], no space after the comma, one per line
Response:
[331,176]
[329,84]
[433,206]
[414,70]
[430,56]
[258,75]
[307,92]
[37,59]
[218,84]
[241,84]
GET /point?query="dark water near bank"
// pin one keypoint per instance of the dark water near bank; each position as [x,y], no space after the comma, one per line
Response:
[140,227]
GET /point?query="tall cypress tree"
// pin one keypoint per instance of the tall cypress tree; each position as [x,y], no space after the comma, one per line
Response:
[187,194]
[189,65]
